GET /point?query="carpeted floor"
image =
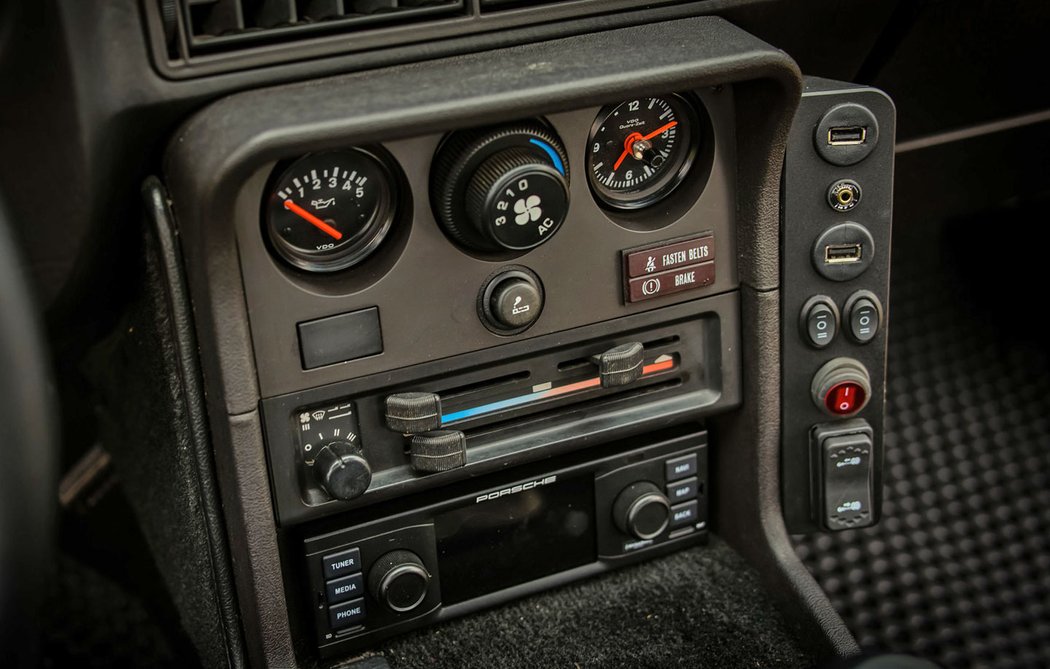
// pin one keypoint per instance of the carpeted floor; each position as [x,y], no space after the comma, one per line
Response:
[698,608]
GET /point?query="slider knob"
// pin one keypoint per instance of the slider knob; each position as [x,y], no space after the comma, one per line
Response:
[438,451]
[620,365]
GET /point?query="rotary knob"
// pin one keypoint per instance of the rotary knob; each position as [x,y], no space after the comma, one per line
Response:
[399,581]
[502,189]
[342,470]
[641,511]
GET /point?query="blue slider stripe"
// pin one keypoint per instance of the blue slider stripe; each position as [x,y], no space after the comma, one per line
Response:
[555,158]
[489,408]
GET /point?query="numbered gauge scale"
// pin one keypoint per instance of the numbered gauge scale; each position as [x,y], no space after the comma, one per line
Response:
[328,211]
[640,150]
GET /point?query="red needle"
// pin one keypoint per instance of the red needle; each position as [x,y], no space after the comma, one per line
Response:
[628,143]
[661,130]
[313,220]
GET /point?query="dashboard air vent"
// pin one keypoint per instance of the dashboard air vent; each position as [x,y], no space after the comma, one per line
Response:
[224,24]
[193,38]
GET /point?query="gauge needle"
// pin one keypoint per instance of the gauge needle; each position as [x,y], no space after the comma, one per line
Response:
[661,130]
[313,220]
[635,136]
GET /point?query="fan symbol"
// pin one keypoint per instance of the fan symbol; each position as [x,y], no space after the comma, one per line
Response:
[527,209]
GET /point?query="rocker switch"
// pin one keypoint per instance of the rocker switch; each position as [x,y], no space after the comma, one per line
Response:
[846,474]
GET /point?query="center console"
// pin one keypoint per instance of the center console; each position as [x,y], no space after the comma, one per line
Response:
[477,349]
[466,337]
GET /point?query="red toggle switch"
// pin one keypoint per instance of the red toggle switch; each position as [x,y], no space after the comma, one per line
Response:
[845,398]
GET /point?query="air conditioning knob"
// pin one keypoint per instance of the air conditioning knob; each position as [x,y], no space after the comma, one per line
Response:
[342,470]
[642,511]
[501,189]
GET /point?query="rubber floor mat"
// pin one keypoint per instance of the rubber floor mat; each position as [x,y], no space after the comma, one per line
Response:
[958,570]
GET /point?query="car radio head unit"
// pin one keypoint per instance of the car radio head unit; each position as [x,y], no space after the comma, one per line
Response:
[440,554]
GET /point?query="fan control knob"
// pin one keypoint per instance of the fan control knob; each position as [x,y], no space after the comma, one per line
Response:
[501,189]
[342,470]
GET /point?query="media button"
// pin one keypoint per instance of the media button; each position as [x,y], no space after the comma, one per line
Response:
[342,589]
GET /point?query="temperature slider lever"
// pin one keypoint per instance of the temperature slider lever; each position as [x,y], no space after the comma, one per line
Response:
[413,413]
[620,365]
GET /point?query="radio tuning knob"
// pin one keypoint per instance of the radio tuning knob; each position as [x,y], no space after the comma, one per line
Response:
[399,581]
[501,189]
[342,470]
[641,511]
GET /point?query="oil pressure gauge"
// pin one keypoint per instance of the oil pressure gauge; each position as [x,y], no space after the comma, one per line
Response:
[641,149]
[328,211]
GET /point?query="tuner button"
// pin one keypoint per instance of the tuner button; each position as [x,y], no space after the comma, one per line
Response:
[342,470]
[398,580]
[438,451]
[642,511]
[409,413]
[620,365]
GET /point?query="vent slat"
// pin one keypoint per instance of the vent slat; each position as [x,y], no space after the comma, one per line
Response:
[222,24]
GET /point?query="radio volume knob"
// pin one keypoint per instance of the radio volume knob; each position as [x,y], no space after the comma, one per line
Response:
[399,581]
[342,470]
[642,511]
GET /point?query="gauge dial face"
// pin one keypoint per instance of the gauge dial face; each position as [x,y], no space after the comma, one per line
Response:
[329,211]
[641,149]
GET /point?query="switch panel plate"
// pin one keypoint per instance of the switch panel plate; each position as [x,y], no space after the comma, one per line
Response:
[806,215]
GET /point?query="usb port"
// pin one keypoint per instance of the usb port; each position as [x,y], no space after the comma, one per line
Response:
[840,254]
[847,135]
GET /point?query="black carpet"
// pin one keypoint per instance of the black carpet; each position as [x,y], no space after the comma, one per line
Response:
[698,608]
[958,570]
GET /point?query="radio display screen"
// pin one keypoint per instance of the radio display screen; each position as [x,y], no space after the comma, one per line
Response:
[517,534]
